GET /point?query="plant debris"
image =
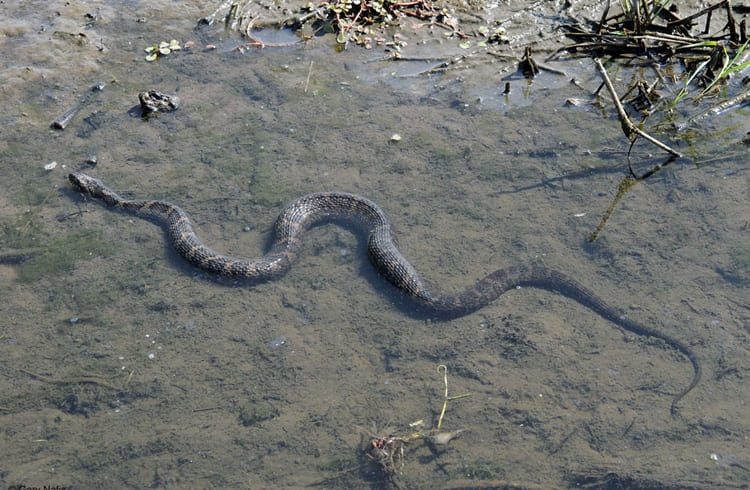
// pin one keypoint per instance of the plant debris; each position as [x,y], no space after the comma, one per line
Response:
[162,49]
[652,30]
[386,448]
[365,23]
[694,58]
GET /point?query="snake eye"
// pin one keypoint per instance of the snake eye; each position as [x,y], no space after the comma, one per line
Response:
[81,182]
[75,181]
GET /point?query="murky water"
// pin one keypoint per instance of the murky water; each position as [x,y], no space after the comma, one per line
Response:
[122,366]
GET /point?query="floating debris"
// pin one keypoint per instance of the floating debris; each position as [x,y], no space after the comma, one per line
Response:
[162,49]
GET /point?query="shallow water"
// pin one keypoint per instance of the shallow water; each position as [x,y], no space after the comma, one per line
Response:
[122,366]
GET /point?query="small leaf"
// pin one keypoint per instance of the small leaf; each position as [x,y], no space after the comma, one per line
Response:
[152,57]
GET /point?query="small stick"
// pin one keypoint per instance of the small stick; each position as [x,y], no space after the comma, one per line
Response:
[443,369]
[707,11]
[67,116]
[628,127]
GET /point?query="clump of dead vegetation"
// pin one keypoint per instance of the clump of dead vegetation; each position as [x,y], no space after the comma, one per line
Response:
[693,56]
[366,23]
[696,63]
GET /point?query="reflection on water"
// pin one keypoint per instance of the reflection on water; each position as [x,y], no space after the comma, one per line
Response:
[121,365]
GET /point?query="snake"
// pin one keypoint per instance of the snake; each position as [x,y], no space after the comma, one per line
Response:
[367,217]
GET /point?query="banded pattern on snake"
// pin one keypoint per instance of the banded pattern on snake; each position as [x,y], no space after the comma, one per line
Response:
[313,209]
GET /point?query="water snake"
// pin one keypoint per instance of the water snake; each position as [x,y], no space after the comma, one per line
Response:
[313,209]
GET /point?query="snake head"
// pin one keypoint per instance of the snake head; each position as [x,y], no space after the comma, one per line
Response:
[84,183]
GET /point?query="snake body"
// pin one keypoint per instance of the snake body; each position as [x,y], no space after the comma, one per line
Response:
[313,209]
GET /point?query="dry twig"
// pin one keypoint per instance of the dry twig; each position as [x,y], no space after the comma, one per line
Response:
[628,127]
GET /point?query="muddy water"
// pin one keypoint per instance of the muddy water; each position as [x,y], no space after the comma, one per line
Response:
[121,366]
